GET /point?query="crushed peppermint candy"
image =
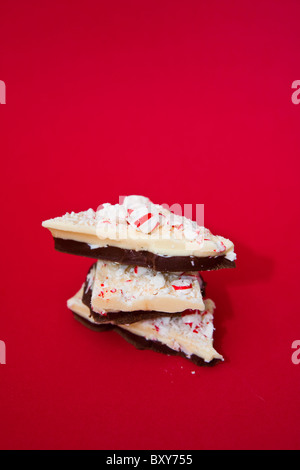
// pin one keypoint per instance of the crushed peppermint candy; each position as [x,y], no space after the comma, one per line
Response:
[129,288]
[110,277]
[196,325]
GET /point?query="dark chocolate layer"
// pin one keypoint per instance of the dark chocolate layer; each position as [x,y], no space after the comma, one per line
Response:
[125,318]
[93,326]
[144,258]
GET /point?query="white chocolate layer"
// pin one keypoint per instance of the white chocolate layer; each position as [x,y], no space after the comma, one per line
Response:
[77,306]
[130,288]
[138,225]
[191,334]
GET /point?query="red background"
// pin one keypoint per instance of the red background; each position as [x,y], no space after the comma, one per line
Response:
[182,101]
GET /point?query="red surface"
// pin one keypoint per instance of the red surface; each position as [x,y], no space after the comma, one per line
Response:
[182,101]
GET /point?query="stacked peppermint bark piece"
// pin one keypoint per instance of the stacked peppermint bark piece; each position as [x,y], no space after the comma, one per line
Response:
[146,282]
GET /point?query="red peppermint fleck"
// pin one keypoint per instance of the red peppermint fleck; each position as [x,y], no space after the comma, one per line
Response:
[189,286]
[113,291]
[223,246]
[136,269]
[156,327]
[143,219]
[189,312]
